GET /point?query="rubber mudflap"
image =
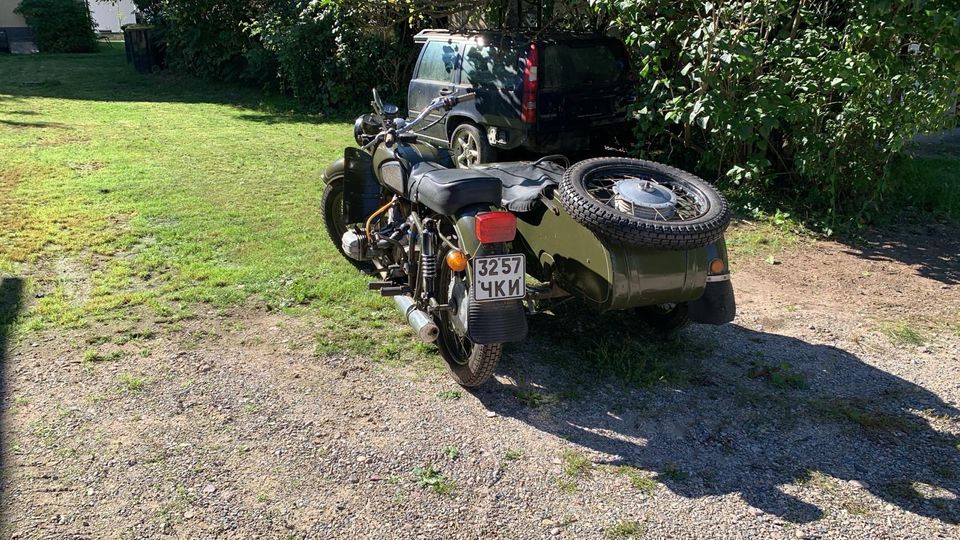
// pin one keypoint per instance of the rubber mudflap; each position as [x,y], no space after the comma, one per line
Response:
[496,322]
[716,306]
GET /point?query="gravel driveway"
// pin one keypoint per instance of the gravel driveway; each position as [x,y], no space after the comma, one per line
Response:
[815,415]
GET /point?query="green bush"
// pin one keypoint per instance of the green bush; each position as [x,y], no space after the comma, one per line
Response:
[329,56]
[325,53]
[206,37]
[791,103]
[59,25]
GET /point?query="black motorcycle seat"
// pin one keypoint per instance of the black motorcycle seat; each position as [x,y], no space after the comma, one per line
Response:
[445,190]
[523,182]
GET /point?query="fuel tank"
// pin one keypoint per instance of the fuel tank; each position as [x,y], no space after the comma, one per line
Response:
[608,275]
[393,164]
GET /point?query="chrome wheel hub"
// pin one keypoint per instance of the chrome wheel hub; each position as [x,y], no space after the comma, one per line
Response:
[645,199]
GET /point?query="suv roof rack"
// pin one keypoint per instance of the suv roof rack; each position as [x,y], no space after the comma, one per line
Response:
[423,35]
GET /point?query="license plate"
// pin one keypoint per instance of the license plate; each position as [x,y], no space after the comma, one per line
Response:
[499,277]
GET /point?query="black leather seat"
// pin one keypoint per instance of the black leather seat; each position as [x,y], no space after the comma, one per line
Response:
[446,190]
[523,182]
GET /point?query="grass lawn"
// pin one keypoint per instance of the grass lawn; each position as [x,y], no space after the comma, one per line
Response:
[135,201]
[131,199]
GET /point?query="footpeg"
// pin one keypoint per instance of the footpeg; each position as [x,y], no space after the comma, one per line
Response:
[393,291]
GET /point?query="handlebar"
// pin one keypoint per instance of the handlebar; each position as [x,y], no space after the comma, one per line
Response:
[389,136]
[445,102]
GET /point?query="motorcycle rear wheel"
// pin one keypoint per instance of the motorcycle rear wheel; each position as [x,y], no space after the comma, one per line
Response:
[470,364]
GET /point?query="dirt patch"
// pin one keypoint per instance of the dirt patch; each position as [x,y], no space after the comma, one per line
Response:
[804,420]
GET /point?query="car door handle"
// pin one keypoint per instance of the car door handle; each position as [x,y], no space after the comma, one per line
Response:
[446,91]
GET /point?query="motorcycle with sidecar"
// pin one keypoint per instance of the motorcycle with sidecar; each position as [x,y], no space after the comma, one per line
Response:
[454,247]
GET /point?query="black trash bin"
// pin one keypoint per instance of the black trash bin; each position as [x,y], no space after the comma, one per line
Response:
[126,43]
[140,48]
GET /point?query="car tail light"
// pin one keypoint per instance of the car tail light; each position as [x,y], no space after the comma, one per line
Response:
[495,227]
[528,105]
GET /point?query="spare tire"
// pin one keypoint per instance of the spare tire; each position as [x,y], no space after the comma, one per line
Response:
[644,204]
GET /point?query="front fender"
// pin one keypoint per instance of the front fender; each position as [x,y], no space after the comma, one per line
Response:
[333,169]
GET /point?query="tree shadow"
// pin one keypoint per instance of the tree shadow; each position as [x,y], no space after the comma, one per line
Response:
[932,248]
[11,298]
[15,124]
[107,77]
[723,422]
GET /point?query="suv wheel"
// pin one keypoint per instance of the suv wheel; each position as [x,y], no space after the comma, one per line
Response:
[469,146]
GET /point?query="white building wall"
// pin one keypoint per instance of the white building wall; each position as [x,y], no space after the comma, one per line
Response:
[109,16]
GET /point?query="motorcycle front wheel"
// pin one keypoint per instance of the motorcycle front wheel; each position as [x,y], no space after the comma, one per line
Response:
[331,206]
[470,364]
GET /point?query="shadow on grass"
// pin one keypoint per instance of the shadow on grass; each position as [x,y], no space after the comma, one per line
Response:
[11,295]
[703,416]
[15,124]
[106,76]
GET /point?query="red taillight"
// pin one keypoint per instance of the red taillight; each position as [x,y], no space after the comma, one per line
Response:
[495,227]
[528,105]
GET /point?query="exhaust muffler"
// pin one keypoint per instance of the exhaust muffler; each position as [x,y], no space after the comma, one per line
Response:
[420,321]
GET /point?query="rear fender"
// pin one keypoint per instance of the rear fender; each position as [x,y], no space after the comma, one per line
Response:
[487,322]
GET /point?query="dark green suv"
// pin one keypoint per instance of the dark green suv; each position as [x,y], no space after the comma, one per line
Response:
[551,93]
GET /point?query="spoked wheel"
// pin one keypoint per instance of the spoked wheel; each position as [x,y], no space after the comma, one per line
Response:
[334,221]
[666,318]
[644,204]
[469,146]
[470,364]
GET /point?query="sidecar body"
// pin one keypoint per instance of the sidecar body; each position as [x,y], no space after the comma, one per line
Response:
[605,274]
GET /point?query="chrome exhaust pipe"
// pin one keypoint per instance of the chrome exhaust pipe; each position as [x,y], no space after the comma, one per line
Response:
[420,321]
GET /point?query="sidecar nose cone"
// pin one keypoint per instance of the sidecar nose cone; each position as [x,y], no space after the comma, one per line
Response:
[645,193]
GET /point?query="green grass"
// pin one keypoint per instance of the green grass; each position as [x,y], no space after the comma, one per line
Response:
[449,395]
[513,454]
[575,464]
[625,529]
[131,383]
[863,415]
[901,333]
[431,478]
[817,480]
[782,376]
[674,473]
[93,356]
[126,197]
[929,184]
[764,236]
[638,480]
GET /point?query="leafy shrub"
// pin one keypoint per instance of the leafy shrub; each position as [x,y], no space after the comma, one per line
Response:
[329,56]
[791,102]
[205,37]
[59,25]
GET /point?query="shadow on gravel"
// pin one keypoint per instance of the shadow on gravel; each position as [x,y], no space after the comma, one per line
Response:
[756,414]
[11,294]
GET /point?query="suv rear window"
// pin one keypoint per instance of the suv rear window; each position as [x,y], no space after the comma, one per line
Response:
[439,61]
[490,66]
[582,65]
